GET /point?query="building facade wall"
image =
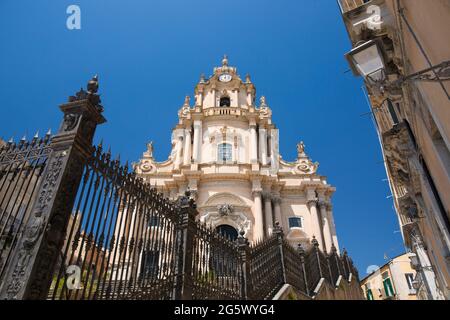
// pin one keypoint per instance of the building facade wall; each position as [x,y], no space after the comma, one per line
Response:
[397,271]
[413,121]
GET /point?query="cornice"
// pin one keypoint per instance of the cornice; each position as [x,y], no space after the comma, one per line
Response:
[212,208]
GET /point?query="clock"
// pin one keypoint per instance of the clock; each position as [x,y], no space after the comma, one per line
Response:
[225,77]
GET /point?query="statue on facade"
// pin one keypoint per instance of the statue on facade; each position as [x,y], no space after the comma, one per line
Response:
[262,102]
[184,111]
[225,209]
[301,149]
[149,152]
[263,107]
[202,78]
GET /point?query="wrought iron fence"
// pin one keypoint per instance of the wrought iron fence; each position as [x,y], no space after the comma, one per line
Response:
[335,265]
[121,237]
[216,265]
[266,270]
[21,168]
[75,224]
[294,266]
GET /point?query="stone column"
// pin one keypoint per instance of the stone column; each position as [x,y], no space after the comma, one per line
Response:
[258,230]
[332,226]
[236,148]
[197,140]
[312,205]
[213,91]
[326,231]
[249,97]
[263,146]
[268,213]
[178,157]
[274,149]
[235,101]
[200,98]
[253,144]
[187,147]
[277,209]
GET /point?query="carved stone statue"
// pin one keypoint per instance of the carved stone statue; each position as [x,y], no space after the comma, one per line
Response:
[150,149]
[186,106]
[225,209]
[263,107]
[301,149]
[187,100]
[262,102]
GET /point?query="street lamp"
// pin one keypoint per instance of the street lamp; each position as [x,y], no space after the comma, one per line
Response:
[367,60]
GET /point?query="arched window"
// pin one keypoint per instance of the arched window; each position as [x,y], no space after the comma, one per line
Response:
[224,101]
[224,152]
[295,222]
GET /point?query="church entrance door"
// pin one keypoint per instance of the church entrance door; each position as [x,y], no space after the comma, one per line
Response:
[227,231]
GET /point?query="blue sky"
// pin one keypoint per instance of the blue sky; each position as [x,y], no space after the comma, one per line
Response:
[150,54]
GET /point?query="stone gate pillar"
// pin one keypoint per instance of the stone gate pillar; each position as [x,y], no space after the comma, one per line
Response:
[29,274]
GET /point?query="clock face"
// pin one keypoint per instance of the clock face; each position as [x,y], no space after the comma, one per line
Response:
[225,77]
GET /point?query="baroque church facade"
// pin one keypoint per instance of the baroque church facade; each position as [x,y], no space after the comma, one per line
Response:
[225,150]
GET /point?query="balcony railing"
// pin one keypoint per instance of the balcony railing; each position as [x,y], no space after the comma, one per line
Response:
[224,111]
[349,5]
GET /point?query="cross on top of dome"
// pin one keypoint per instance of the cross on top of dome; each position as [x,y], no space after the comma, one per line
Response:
[225,60]
[225,68]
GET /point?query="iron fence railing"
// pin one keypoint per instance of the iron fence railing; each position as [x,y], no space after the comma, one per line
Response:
[266,271]
[121,235]
[293,263]
[216,266]
[21,168]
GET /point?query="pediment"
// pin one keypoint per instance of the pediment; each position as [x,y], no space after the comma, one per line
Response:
[224,198]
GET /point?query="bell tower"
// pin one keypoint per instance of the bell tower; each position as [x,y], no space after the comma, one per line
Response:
[224,88]
[225,125]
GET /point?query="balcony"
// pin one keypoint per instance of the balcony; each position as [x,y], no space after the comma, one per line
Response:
[224,112]
[366,19]
[349,5]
